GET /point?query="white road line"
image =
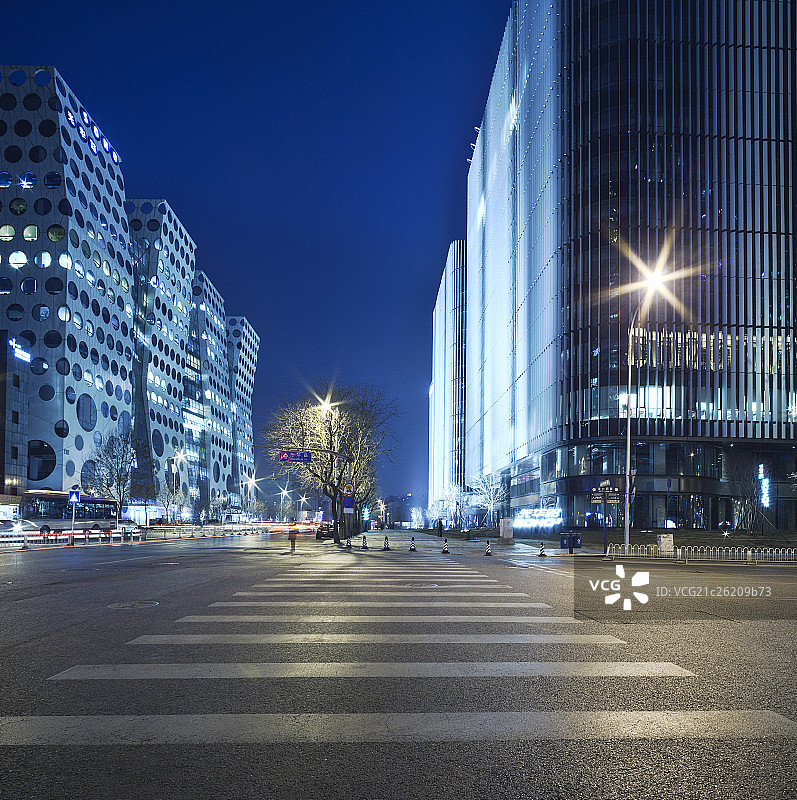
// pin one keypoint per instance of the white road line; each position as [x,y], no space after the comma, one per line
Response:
[341,588]
[382,604]
[364,578]
[379,593]
[378,618]
[346,670]
[376,638]
[173,729]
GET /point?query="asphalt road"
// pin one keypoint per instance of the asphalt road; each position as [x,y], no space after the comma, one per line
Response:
[243,671]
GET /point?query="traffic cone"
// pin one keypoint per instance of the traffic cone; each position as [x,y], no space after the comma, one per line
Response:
[365,544]
[348,541]
[445,546]
[542,553]
[488,552]
[386,546]
[412,544]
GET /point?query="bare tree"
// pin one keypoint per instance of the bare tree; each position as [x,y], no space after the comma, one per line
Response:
[172,497]
[453,504]
[348,432]
[490,492]
[114,461]
[742,473]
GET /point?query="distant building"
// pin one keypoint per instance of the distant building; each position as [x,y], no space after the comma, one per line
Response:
[447,390]
[106,325]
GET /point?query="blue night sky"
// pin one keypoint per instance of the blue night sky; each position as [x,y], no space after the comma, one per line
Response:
[315,151]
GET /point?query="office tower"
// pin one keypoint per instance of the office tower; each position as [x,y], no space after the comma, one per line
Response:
[620,140]
[65,281]
[447,390]
[242,348]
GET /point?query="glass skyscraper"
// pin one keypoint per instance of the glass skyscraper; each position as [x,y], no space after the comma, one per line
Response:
[620,135]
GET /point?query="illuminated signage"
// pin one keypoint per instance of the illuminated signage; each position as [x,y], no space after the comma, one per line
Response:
[19,353]
[538,518]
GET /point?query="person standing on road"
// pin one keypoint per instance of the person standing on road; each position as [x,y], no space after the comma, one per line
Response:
[292,537]
[439,526]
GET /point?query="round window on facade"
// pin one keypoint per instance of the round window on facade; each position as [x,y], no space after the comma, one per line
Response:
[7,233]
[47,128]
[46,392]
[43,259]
[86,412]
[62,365]
[42,77]
[12,154]
[5,180]
[52,180]
[40,313]
[28,286]
[6,285]
[18,206]
[39,366]
[15,312]
[30,233]
[88,475]
[37,154]
[53,339]
[79,443]
[69,393]
[77,372]
[64,314]
[77,320]
[22,127]
[17,259]
[41,460]
[65,260]
[55,233]
[8,102]
[42,206]
[62,428]
[27,180]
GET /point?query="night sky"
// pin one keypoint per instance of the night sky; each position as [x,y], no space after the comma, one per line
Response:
[315,151]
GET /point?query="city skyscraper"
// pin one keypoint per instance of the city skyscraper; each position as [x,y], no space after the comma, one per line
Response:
[107,326]
[447,390]
[619,139]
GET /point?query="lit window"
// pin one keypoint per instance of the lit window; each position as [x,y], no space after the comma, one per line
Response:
[30,233]
[17,259]
[65,260]
[6,233]
[78,320]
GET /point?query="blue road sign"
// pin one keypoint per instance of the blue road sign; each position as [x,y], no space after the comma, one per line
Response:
[569,540]
[348,502]
[74,496]
[296,456]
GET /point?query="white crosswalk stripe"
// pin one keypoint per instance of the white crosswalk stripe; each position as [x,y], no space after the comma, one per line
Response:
[437,591]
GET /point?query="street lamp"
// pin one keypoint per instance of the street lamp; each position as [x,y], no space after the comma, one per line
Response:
[653,282]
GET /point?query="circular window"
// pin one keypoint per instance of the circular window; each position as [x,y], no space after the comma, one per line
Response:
[70,468]
[27,180]
[42,206]
[12,154]
[41,460]
[41,77]
[18,206]
[8,102]
[15,312]
[47,127]
[77,320]
[30,233]
[17,259]
[5,180]
[52,180]
[157,443]
[65,260]
[59,154]
[64,314]
[17,77]
[7,233]
[62,428]
[28,286]
[39,366]
[46,392]
[6,285]
[22,127]
[69,393]
[41,313]
[37,154]
[77,372]
[62,365]
[88,475]
[86,412]
[43,259]
[79,442]
[53,339]
[55,233]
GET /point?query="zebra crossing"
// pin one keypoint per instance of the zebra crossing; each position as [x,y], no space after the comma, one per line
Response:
[441,593]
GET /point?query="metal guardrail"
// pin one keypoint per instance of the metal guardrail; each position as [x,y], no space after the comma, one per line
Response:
[705,553]
[67,537]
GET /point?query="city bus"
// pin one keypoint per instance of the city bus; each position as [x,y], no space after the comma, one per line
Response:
[48,514]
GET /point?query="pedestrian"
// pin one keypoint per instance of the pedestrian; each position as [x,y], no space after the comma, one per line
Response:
[439,526]
[292,537]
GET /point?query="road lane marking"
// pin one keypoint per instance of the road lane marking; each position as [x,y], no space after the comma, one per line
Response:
[323,669]
[378,618]
[376,638]
[365,579]
[341,588]
[380,593]
[173,729]
[382,604]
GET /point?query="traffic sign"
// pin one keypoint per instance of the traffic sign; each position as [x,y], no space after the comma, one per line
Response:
[605,494]
[74,496]
[296,456]
[348,489]
[348,502]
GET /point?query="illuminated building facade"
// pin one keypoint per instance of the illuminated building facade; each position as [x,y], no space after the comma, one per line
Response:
[447,390]
[618,133]
[106,324]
